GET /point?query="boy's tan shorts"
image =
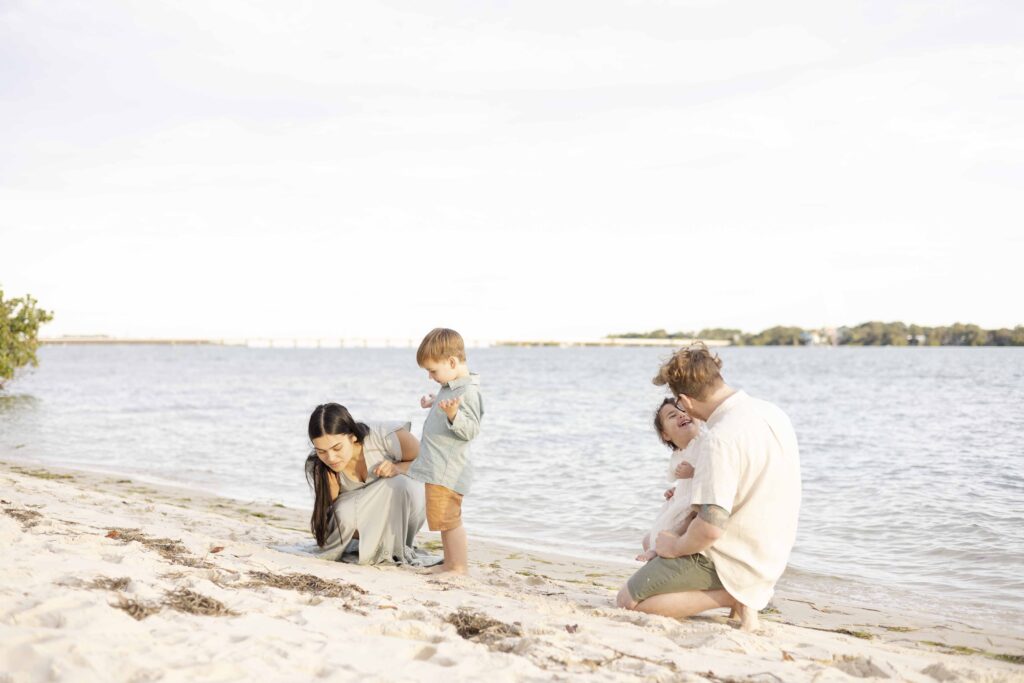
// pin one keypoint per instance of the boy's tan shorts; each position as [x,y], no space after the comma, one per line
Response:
[444,508]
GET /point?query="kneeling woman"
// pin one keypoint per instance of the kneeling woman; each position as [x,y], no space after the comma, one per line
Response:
[361,494]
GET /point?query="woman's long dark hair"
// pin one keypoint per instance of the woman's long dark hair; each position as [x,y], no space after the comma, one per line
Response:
[327,419]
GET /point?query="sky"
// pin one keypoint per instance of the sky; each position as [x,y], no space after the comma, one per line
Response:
[515,170]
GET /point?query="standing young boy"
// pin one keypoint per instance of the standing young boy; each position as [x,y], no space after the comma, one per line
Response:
[453,421]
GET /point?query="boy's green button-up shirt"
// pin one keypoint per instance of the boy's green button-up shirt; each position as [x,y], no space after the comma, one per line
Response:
[444,446]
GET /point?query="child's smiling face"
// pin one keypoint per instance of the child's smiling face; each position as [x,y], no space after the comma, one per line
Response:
[677,426]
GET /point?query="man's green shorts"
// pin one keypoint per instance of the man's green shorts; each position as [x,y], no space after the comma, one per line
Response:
[676,575]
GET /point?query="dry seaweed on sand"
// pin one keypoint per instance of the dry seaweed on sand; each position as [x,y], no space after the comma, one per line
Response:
[136,609]
[190,602]
[40,473]
[108,584]
[480,627]
[28,518]
[180,600]
[170,549]
[304,583]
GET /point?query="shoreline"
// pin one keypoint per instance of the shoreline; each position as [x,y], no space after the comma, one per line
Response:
[555,612]
[800,582]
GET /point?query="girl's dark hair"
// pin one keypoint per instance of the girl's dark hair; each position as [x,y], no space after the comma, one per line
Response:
[659,427]
[327,419]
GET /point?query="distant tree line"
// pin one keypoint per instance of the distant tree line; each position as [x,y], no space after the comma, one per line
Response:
[865,334]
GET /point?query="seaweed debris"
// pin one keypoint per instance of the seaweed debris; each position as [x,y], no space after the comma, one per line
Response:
[479,627]
[305,583]
[108,584]
[28,518]
[170,549]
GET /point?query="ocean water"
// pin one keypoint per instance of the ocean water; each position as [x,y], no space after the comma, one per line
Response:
[913,459]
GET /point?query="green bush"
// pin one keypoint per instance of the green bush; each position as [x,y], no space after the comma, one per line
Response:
[19,334]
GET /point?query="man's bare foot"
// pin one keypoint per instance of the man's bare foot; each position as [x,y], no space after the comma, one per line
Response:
[646,555]
[748,618]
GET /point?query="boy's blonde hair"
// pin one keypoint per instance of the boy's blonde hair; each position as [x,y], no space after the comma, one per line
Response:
[441,343]
[692,371]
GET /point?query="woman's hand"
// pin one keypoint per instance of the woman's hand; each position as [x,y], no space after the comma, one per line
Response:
[387,469]
[669,493]
[450,407]
[426,401]
[666,545]
[684,470]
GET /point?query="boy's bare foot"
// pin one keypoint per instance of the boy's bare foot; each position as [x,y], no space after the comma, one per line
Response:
[446,569]
[646,555]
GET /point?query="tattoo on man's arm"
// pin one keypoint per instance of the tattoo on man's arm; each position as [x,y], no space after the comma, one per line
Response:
[714,515]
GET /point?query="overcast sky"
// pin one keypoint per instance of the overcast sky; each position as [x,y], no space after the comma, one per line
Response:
[510,169]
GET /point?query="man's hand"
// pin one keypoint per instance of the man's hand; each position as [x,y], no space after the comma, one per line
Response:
[426,401]
[669,493]
[450,407]
[684,470]
[666,545]
[387,469]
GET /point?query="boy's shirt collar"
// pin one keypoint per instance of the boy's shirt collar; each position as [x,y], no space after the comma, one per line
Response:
[471,378]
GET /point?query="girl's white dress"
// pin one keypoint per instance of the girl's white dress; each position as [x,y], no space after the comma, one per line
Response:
[675,509]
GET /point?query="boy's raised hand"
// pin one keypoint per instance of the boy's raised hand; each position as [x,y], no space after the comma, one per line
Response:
[426,401]
[684,470]
[450,407]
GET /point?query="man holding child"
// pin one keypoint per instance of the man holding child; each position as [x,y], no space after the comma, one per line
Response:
[746,496]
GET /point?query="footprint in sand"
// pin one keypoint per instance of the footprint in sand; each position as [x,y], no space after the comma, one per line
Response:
[865,667]
[426,653]
[409,630]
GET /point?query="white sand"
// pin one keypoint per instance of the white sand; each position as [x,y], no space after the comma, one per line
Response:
[55,627]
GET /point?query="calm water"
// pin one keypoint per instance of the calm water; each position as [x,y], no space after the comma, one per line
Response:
[912,458]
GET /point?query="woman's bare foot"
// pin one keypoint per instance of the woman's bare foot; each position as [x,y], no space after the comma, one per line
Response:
[646,555]
[447,569]
[734,613]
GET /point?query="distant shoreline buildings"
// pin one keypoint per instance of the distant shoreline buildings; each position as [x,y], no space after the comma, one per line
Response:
[865,334]
[352,342]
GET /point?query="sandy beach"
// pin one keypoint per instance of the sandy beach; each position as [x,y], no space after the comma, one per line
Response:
[104,578]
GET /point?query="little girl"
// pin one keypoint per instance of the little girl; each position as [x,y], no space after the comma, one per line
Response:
[678,431]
